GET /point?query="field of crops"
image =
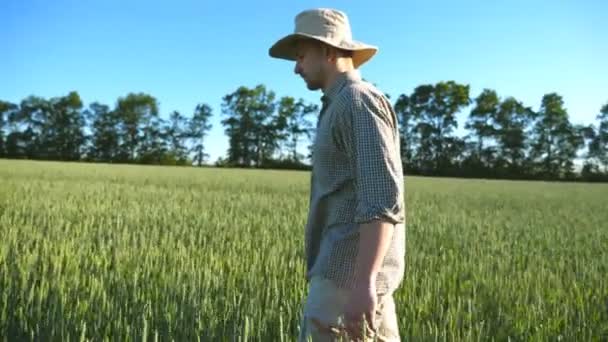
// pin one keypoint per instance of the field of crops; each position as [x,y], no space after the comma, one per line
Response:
[108,252]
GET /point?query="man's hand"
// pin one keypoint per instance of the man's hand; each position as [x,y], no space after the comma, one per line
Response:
[359,315]
[361,304]
[360,310]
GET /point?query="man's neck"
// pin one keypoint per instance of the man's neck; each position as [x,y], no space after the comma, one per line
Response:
[333,75]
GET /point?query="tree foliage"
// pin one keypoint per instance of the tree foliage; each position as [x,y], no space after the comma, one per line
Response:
[504,138]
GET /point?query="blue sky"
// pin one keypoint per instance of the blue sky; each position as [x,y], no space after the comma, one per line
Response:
[189,52]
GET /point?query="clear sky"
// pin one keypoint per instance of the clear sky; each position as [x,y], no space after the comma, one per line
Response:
[189,52]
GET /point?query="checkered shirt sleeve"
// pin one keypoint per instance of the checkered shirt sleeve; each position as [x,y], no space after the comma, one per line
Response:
[372,141]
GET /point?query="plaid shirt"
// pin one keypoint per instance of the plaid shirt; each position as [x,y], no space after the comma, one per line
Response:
[356,177]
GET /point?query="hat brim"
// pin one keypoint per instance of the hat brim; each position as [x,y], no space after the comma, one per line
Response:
[285,48]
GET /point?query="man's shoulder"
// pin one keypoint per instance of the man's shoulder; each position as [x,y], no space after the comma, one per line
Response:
[360,97]
[362,90]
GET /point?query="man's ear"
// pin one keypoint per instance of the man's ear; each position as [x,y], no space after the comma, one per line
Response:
[329,53]
[324,50]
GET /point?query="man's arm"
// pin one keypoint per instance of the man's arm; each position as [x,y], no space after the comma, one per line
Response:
[375,237]
[373,145]
[374,150]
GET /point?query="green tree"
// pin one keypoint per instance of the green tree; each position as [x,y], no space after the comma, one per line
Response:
[153,147]
[136,111]
[512,125]
[176,133]
[293,116]
[252,125]
[27,128]
[589,134]
[199,126]
[271,128]
[570,146]
[105,139]
[64,129]
[434,109]
[407,134]
[556,140]
[481,122]
[7,110]
[47,129]
[598,146]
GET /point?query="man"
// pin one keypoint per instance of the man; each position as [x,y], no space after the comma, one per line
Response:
[355,233]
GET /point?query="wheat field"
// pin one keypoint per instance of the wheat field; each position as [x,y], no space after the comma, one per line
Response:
[123,252]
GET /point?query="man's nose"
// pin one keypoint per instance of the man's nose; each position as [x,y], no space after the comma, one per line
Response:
[296,68]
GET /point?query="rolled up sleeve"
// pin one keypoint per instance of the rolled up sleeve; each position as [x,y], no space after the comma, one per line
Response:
[374,148]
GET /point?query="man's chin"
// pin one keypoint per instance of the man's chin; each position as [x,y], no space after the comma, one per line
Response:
[312,86]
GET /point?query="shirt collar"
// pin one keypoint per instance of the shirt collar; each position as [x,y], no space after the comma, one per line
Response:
[338,84]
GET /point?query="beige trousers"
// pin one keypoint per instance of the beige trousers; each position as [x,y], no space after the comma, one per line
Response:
[325,303]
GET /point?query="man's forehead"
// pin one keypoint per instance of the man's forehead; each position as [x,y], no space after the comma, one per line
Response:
[301,45]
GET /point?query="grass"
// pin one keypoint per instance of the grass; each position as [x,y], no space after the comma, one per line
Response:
[119,252]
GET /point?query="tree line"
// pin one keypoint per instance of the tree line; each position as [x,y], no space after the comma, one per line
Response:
[504,137]
[61,128]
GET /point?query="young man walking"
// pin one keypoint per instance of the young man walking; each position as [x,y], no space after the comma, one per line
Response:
[355,233]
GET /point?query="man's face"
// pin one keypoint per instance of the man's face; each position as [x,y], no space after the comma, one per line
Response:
[310,64]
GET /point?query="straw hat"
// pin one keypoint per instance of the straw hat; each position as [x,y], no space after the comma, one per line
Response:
[329,26]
